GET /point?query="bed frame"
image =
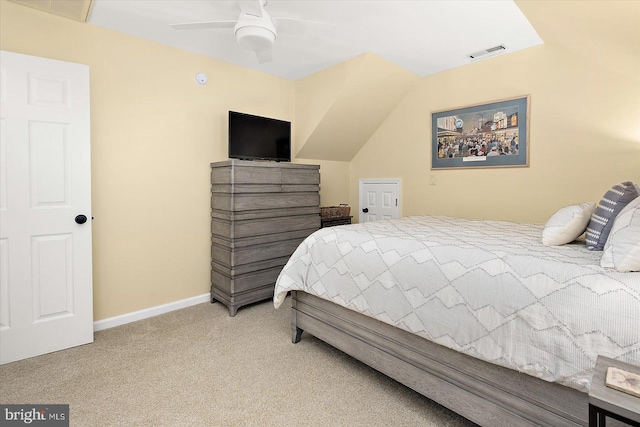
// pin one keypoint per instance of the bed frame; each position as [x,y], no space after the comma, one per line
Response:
[486,394]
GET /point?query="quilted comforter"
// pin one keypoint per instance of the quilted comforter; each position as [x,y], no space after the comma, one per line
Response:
[489,289]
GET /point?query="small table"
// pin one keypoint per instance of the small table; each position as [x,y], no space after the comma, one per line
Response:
[335,220]
[607,402]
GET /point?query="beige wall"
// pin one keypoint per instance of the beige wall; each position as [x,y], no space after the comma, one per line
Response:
[154,133]
[584,84]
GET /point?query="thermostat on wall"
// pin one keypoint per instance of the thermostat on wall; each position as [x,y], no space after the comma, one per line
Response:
[201,78]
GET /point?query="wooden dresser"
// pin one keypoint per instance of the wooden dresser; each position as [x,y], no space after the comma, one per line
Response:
[260,212]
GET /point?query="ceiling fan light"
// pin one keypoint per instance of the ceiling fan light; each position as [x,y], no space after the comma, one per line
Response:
[255,38]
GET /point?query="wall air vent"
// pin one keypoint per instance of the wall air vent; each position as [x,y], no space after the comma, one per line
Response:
[73,9]
[492,51]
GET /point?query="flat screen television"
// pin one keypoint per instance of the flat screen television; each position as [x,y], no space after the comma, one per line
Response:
[259,138]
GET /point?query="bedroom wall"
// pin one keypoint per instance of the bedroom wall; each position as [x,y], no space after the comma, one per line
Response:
[154,133]
[584,83]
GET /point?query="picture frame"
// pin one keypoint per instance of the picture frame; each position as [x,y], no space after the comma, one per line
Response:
[489,135]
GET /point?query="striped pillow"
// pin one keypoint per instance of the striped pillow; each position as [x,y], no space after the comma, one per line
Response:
[609,207]
[622,251]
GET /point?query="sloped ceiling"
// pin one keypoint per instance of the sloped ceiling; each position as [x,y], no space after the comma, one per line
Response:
[594,26]
[339,109]
[73,9]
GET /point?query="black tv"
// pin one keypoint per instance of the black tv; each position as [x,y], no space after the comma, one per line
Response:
[258,138]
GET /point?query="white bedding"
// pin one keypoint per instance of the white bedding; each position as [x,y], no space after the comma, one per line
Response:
[489,289]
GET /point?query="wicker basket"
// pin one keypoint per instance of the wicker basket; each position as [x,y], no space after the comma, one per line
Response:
[335,211]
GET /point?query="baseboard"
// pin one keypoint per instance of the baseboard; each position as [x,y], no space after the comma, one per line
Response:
[149,312]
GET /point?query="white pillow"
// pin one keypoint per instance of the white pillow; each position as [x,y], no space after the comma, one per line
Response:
[567,224]
[622,250]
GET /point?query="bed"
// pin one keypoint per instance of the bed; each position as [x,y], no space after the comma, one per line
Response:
[477,315]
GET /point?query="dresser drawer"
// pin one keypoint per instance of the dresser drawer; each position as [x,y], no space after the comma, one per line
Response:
[264,213]
[238,173]
[300,176]
[238,243]
[245,282]
[255,253]
[249,268]
[251,202]
[258,227]
[246,175]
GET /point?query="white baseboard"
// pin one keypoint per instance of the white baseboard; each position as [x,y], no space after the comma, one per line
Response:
[149,312]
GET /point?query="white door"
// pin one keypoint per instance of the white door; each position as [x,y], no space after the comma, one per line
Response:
[46,295]
[379,199]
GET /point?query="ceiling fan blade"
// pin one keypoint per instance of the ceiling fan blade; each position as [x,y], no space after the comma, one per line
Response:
[264,56]
[252,7]
[207,25]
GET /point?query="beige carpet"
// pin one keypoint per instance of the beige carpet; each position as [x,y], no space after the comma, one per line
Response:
[200,367]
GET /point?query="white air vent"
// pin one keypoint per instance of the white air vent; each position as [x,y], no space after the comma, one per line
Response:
[492,51]
[73,9]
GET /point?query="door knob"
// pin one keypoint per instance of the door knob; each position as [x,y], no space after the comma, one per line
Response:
[365,210]
[81,219]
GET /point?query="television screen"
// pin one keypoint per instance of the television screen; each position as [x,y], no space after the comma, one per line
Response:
[254,137]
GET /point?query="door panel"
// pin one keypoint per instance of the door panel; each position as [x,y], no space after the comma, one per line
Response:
[49,153]
[48,91]
[372,201]
[3,165]
[52,278]
[46,273]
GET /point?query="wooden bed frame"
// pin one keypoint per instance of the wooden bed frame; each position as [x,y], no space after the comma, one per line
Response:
[484,393]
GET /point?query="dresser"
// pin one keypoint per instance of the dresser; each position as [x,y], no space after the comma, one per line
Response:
[260,213]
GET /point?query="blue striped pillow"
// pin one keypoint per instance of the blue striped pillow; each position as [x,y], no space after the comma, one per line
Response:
[609,207]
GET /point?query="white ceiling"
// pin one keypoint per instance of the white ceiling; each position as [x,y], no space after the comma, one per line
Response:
[423,36]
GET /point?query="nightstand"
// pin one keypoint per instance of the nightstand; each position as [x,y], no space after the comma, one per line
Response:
[333,221]
[607,402]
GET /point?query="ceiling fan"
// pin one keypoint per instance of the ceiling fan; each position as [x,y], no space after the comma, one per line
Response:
[255,29]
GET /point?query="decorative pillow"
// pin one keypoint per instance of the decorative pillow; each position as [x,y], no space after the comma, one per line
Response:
[622,250]
[609,207]
[567,224]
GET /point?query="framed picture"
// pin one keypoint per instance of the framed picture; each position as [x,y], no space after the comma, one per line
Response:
[491,135]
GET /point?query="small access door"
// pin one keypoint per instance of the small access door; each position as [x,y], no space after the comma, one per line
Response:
[379,199]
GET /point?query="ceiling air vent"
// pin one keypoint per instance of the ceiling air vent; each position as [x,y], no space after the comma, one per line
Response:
[73,9]
[492,51]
